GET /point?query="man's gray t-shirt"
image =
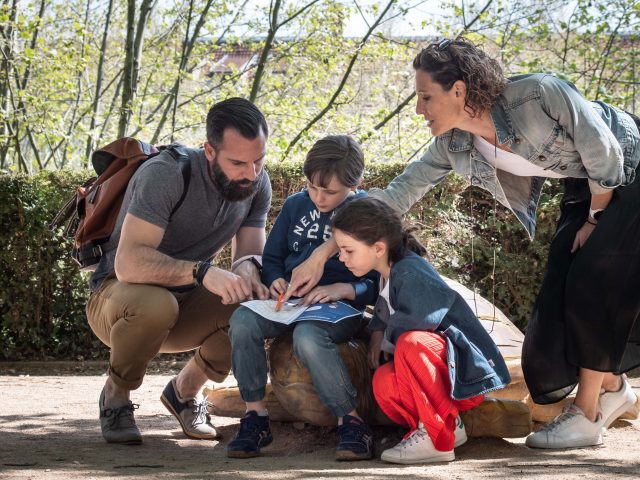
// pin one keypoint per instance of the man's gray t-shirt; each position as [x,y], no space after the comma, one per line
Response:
[202,225]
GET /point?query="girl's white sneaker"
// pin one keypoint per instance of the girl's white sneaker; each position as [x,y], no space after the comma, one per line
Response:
[460,433]
[417,448]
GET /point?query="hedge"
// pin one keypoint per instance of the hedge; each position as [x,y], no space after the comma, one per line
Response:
[42,294]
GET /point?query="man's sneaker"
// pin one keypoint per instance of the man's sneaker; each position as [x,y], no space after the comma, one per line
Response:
[460,433]
[254,433]
[614,404]
[355,440]
[570,429]
[192,413]
[118,424]
[417,448]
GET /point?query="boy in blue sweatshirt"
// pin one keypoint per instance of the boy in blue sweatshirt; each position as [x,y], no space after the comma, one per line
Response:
[334,167]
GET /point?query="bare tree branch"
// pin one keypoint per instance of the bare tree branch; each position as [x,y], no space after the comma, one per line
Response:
[188,46]
[274,26]
[174,89]
[386,119]
[411,96]
[342,83]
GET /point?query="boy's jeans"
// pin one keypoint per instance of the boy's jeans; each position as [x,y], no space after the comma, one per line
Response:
[314,344]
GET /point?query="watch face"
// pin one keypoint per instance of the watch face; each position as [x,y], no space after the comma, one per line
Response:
[597,215]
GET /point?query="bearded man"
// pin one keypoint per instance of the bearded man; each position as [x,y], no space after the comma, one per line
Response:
[158,291]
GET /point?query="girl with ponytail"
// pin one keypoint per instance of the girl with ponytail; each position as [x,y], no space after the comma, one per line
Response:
[442,361]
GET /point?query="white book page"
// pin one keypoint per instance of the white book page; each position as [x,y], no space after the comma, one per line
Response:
[289,311]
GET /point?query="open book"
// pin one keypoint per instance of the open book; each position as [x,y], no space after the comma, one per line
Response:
[291,311]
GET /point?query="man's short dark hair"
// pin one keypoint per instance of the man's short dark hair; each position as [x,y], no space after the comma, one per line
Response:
[237,113]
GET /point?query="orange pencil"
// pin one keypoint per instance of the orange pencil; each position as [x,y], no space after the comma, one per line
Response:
[279,302]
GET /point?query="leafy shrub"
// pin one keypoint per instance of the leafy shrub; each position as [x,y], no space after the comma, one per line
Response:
[43,295]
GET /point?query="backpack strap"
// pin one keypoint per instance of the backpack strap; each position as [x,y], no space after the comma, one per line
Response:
[181,156]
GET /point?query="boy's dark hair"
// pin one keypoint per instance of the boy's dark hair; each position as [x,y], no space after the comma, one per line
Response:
[236,113]
[335,155]
[370,220]
[450,60]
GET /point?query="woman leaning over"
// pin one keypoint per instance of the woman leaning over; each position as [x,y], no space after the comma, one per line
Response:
[508,136]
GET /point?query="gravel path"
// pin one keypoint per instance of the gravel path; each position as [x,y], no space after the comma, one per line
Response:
[49,430]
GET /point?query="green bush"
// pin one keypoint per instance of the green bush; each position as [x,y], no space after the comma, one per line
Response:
[43,295]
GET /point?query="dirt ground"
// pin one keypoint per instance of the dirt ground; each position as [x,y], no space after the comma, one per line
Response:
[49,429]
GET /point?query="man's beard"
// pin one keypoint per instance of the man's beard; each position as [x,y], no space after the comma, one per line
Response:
[232,190]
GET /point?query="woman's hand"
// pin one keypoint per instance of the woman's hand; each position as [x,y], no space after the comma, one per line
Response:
[582,236]
[598,202]
[330,293]
[375,343]
[307,275]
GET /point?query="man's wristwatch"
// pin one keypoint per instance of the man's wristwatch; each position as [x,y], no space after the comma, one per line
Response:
[200,270]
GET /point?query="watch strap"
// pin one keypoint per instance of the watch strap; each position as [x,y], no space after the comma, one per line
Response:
[255,259]
[200,270]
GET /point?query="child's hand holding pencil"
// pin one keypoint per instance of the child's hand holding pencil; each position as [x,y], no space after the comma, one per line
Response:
[278,290]
[279,302]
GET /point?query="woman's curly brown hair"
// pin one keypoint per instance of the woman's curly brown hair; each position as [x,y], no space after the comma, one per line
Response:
[450,60]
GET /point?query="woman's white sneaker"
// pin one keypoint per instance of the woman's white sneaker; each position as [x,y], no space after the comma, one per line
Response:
[416,448]
[570,429]
[614,404]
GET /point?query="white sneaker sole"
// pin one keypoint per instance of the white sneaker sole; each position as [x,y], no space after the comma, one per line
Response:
[532,442]
[434,457]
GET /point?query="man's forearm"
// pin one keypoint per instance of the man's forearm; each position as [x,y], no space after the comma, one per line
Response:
[147,265]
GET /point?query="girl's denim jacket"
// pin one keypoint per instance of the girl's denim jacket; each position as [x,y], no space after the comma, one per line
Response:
[546,121]
[423,301]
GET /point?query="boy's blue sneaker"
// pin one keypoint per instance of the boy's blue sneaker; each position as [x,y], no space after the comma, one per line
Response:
[355,440]
[254,433]
[192,413]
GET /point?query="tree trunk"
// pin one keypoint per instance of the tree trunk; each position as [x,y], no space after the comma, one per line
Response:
[6,54]
[183,60]
[273,29]
[91,138]
[133,49]
[187,49]
[79,90]
[21,84]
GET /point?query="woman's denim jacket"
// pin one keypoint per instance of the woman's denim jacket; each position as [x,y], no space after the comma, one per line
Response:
[546,121]
[423,301]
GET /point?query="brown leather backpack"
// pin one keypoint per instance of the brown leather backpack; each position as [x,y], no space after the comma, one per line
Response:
[90,214]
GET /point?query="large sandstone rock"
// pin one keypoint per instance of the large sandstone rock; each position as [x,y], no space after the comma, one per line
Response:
[292,397]
[294,389]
